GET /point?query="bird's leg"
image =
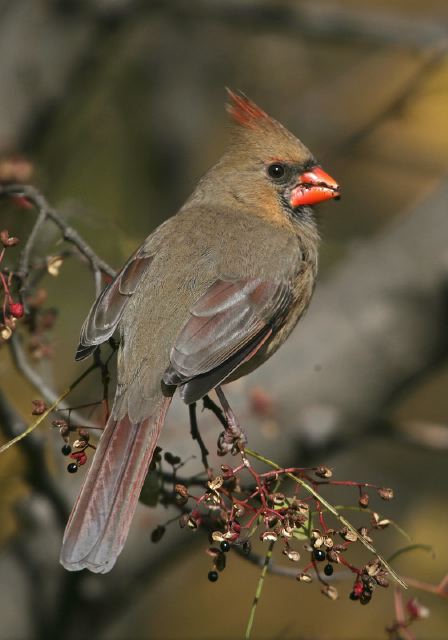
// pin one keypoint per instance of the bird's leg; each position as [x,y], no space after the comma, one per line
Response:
[195,434]
[232,439]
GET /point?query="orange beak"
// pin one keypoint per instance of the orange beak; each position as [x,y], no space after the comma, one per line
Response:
[314,186]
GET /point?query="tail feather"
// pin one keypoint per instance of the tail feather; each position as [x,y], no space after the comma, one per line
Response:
[101,518]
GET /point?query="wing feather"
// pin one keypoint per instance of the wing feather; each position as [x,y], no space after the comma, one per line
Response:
[108,308]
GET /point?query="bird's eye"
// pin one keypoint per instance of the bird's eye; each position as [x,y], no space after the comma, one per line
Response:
[276,171]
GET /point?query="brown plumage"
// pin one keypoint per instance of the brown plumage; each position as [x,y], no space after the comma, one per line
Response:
[208,297]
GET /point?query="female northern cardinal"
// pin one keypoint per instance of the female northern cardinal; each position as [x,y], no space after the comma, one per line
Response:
[207,298]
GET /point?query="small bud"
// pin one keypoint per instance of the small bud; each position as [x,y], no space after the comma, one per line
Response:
[157,533]
[227,471]
[84,435]
[323,472]
[386,493]
[80,457]
[364,500]
[39,407]
[6,240]
[181,490]
[416,610]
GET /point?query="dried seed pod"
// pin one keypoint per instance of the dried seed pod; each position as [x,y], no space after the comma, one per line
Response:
[54,263]
[5,332]
[348,535]
[330,591]
[269,536]
[218,536]
[372,568]
[193,522]
[382,580]
[39,407]
[363,500]
[239,510]
[364,533]
[323,472]
[333,555]
[181,490]
[278,498]
[328,542]
[386,493]
[304,577]
[292,554]
[216,483]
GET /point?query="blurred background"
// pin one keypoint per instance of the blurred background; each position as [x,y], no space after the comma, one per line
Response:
[119,106]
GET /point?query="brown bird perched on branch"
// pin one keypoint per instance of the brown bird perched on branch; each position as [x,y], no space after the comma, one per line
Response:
[208,297]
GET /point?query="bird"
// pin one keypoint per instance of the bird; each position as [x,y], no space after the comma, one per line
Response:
[208,297]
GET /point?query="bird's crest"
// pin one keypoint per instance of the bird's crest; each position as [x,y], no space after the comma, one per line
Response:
[245,112]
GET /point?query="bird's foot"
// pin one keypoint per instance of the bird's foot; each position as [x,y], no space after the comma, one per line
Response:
[233,439]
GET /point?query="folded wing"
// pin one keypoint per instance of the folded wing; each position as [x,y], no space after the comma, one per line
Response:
[225,327]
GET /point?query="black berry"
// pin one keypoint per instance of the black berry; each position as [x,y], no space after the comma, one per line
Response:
[225,546]
[213,576]
[319,554]
[328,569]
[66,450]
[72,467]
[353,596]
[366,596]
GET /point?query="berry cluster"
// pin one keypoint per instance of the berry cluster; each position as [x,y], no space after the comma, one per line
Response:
[241,504]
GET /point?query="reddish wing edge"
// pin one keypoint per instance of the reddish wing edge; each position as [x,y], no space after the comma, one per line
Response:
[108,308]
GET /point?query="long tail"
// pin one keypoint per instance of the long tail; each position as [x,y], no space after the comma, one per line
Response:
[99,523]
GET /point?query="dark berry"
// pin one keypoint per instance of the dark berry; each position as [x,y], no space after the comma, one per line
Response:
[319,554]
[366,596]
[225,546]
[354,596]
[72,467]
[213,576]
[328,569]
[66,450]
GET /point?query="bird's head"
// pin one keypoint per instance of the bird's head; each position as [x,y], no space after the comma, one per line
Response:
[267,166]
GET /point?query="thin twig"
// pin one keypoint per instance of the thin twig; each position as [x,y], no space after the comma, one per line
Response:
[260,585]
[49,395]
[70,234]
[47,412]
